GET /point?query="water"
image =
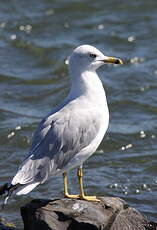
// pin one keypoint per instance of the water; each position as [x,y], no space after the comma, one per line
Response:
[35,38]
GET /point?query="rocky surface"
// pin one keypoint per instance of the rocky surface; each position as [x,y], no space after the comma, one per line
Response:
[72,214]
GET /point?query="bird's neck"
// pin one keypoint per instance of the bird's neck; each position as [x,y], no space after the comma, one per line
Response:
[86,83]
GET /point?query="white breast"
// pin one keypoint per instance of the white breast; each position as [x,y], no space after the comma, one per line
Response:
[95,93]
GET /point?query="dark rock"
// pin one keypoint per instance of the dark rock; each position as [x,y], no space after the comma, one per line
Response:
[6,225]
[151,226]
[72,214]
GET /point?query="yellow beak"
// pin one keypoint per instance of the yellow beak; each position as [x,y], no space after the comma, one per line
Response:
[113,60]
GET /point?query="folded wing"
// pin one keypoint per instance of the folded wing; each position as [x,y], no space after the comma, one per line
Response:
[57,140]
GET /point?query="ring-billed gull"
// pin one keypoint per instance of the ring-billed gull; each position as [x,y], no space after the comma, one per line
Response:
[71,132]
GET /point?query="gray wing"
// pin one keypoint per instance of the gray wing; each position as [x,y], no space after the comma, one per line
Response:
[57,140]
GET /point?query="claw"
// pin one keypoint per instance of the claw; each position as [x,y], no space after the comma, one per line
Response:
[89,198]
[71,196]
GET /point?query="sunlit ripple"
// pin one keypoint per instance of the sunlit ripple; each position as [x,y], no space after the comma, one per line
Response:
[36,38]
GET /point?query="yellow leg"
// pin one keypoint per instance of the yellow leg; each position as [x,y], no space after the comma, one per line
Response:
[66,194]
[82,195]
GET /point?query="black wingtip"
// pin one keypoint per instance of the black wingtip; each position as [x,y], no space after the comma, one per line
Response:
[9,188]
[5,202]
[3,189]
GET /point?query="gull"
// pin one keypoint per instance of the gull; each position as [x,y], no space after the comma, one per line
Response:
[71,132]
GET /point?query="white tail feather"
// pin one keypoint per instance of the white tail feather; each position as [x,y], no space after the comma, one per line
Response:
[26,188]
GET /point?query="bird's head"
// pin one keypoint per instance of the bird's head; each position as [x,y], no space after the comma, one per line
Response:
[86,57]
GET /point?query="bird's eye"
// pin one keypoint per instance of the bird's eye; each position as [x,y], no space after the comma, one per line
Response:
[92,55]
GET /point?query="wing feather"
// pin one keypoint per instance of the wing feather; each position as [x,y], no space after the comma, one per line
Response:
[57,140]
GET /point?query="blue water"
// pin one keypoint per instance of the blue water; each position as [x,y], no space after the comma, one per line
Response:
[35,38]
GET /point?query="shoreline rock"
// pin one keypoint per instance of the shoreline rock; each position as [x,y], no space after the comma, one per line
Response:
[111,213]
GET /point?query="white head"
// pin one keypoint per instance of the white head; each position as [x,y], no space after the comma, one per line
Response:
[88,58]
